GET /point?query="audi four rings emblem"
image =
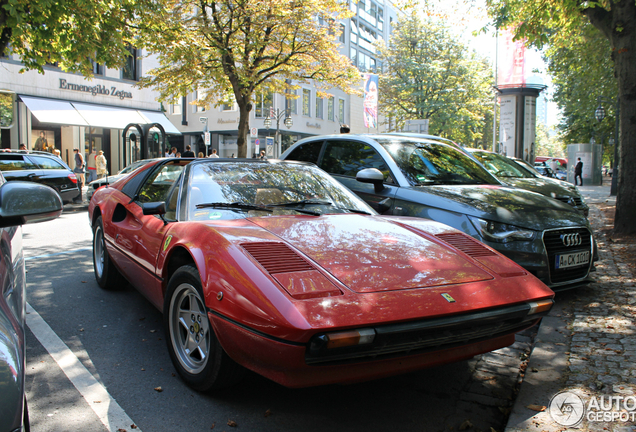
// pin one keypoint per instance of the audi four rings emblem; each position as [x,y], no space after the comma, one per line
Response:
[571,239]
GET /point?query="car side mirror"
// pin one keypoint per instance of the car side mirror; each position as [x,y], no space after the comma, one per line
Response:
[27,202]
[154,208]
[371,175]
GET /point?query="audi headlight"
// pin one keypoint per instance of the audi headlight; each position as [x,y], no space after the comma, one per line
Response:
[499,232]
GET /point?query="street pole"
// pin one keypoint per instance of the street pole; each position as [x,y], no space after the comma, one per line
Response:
[278,114]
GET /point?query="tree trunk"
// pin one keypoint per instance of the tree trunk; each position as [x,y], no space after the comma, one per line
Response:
[619,25]
[243,130]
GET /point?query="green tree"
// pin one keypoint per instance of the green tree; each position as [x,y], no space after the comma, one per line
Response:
[548,144]
[543,21]
[70,33]
[244,47]
[429,74]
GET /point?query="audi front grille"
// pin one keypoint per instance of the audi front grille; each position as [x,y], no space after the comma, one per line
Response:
[568,242]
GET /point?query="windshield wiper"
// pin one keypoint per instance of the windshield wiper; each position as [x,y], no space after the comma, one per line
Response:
[352,210]
[234,205]
[300,203]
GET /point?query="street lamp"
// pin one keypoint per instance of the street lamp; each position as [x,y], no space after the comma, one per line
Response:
[278,114]
[599,114]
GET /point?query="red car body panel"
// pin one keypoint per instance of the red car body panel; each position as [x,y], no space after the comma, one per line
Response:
[362,272]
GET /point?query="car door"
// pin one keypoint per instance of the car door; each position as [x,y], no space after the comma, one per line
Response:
[343,159]
[140,237]
[19,167]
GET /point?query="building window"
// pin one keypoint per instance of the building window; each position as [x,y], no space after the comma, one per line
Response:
[97,68]
[263,103]
[318,107]
[341,111]
[227,107]
[341,37]
[306,102]
[330,107]
[290,102]
[176,107]
[129,70]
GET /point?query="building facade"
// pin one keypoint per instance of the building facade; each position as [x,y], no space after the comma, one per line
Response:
[310,114]
[66,111]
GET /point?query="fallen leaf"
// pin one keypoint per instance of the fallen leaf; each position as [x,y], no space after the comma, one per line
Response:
[268,413]
[466,425]
[159,389]
[538,408]
[212,427]
[143,369]
[121,430]
[85,282]
[133,426]
[232,423]
[97,401]
[535,370]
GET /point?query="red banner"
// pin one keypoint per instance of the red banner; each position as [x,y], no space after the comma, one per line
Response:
[512,60]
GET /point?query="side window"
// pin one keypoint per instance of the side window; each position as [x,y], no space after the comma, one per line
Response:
[46,163]
[160,183]
[307,152]
[348,157]
[15,163]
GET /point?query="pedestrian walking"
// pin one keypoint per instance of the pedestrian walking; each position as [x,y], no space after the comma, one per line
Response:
[578,170]
[80,167]
[101,164]
[262,155]
[90,167]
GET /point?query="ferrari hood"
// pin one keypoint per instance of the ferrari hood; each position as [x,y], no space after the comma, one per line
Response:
[507,205]
[371,254]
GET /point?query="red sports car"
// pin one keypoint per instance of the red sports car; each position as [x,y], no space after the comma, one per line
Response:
[276,267]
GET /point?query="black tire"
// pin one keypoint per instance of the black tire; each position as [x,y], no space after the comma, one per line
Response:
[106,274]
[194,348]
[25,419]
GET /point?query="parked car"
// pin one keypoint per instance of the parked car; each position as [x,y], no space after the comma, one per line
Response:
[96,184]
[530,167]
[513,174]
[276,267]
[41,167]
[43,204]
[544,170]
[426,178]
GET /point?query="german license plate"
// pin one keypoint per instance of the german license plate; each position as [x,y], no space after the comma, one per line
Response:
[572,260]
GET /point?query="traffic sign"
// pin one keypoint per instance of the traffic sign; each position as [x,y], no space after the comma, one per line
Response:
[254,132]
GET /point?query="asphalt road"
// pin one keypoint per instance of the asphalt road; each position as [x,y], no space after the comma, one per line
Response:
[96,360]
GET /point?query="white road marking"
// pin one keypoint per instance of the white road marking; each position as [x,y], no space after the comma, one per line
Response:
[107,409]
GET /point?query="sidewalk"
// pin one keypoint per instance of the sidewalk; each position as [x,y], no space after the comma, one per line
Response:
[586,346]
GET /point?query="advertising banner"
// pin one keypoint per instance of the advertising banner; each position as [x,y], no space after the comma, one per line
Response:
[512,62]
[507,124]
[370,100]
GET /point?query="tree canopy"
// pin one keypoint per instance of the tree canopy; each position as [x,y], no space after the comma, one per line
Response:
[545,22]
[70,33]
[238,48]
[429,74]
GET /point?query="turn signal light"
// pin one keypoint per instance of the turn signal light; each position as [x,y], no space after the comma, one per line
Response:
[349,338]
[540,306]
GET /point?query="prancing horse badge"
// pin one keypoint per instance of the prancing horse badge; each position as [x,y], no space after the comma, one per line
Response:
[448,298]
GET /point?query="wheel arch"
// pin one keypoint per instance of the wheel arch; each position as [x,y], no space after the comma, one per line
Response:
[178,257]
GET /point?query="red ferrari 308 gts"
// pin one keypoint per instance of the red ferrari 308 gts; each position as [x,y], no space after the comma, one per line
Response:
[276,267]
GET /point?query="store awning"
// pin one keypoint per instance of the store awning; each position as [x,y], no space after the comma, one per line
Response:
[83,114]
[54,111]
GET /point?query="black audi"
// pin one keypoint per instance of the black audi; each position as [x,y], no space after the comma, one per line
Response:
[41,167]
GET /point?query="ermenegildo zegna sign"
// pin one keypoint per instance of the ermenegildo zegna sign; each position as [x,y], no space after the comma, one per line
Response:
[95,90]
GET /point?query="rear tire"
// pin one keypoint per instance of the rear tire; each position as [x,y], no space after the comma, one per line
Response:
[106,274]
[194,348]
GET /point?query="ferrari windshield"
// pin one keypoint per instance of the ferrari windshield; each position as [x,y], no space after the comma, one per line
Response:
[429,163]
[228,190]
[501,166]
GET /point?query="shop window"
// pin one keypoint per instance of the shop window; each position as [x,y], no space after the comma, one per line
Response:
[176,107]
[290,103]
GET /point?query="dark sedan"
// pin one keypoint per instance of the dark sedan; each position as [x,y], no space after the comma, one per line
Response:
[418,177]
[41,167]
[513,174]
[43,203]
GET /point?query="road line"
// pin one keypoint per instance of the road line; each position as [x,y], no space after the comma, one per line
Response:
[97,397]
[59,253]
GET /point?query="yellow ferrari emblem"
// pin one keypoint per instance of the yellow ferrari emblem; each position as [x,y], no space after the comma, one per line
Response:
[166,243]
[448,298]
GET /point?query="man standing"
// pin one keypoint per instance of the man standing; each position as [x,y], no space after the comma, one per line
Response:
[578,170]
[188,152]
[214,155]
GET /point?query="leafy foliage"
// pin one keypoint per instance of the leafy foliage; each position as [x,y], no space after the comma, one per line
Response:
[239,48]
[70,33]
[430,75]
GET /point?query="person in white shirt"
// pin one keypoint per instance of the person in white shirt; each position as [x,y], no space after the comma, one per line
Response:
[214,155]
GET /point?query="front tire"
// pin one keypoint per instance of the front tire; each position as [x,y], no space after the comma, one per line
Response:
[194,349]
[106,274]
